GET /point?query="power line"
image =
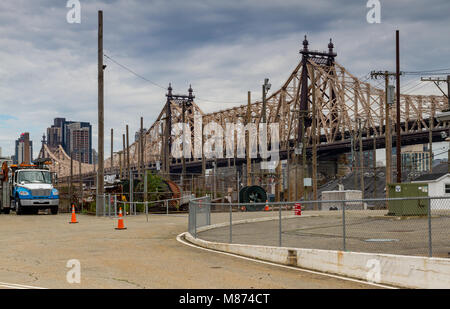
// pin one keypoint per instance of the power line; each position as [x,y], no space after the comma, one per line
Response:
[133,72]
[425,71]
[162,87]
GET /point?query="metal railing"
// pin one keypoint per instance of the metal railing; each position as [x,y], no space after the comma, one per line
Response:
[199,214]
[408,226]
[110,204]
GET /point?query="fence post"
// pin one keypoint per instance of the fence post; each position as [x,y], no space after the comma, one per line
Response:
[343,226]
[430,245]
[195,220]
[115,205]
[280,229]
[208,206]
[109,205]
[104,205]
[167,206]
[146,209]
[231,224]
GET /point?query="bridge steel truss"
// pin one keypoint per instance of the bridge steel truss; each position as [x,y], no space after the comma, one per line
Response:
[341,101]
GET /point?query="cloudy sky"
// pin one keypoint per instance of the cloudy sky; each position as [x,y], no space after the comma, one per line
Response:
[48,67]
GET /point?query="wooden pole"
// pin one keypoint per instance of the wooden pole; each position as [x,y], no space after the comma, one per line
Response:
[183,159]
[120,164]
[128,152]
[304,165]
[430,137]
[387,135]
[361,159]
[124,158]
[112,151]
[139,153]
[399,139]
[374,164]
[100,170]
[141,146]
[71,179]
[248,120]
[81,182]
[314,139]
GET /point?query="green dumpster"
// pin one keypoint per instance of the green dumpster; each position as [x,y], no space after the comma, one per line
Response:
[408,207]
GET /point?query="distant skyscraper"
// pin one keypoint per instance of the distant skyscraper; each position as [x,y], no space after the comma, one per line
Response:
[75,137]
[24,149]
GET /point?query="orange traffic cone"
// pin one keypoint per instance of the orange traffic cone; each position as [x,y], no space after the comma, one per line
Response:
[120,225]
[267,207]
[74,218]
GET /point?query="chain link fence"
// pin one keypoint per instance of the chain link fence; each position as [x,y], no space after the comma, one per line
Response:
[109,205]
[406,226]
[199,214]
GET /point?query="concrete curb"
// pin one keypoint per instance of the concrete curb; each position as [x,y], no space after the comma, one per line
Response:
[254,220]
[389,269]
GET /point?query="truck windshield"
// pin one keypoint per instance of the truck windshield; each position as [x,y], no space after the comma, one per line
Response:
[34,177]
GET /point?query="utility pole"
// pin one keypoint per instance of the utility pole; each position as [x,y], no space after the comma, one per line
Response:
[141,147]
[120,165]
[167,132]
[314,139]
[388,101]
[183,159]
[437,81]
[71,179]
[248,120]
[128,153]
[265,88]
[101,67]
[112,152]
[124,158]
[374,156]
[354,162]
[81,181]
[361,158]
[399,138]
[304,166]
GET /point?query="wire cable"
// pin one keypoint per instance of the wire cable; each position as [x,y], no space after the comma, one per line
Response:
[162,87]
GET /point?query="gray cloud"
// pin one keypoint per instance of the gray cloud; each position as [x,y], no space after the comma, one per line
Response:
[48,67]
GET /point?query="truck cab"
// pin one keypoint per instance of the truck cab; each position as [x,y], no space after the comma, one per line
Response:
[32,190]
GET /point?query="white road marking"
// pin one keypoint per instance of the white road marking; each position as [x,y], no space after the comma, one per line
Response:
[18,286]
[285,266]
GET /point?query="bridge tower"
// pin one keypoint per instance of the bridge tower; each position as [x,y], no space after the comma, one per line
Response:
[324,59]
[187,113]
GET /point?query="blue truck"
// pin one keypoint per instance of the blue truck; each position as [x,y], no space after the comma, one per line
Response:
[30,190]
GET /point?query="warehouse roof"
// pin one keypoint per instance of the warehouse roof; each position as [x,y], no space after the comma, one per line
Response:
[429,177]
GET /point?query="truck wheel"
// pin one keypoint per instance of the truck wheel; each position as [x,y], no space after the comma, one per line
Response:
[54,210]
[19,208]
[6,211]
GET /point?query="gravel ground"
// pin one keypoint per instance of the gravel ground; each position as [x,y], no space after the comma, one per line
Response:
[36,249]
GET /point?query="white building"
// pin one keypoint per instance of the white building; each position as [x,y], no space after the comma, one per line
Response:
[438,185]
